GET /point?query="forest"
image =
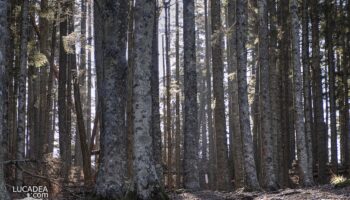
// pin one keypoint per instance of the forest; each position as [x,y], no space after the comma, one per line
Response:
[174,99]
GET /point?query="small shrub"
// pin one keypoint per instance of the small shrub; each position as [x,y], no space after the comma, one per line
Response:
[339,181]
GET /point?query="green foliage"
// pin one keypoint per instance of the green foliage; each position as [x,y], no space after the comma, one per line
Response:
[339,181]
[38,59]
[69,42]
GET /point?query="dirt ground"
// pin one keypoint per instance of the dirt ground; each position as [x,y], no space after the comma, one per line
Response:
[326,192]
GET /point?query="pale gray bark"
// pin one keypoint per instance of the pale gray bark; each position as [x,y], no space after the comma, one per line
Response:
[305,174]
[237,150]
[156,132]
[145,177]
[269,175]
[177,104]
[111,74]
[212,154]
[307,85]
[191,133]
[248,153]
[3,40]
[21,126]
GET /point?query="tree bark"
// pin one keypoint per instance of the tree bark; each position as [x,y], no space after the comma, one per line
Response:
[82,134]
[218,90]
[269,175]
[248,153]
[3,41]
[320,130]
[305,174]
[177,99]
[145,176]
[191,134]
[212,154]
[156,132]
[237,150]
[21,126]
[168,94]
[111,17]
[329,12]
[44,48]
[307,84]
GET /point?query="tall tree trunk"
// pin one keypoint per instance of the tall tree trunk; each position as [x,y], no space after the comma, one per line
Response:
[22,90]
[82,134]
[285,155]
[50,99]
[248,153]
[218,89]
[329,12]
[212,154]
[265,104]
[129,110]
[191,133]
[237,151]
[44,44]
[62,90]
[156,132]
[346,71]
[168,95]
[177,105]
[145,177]
[83,64]
[275,87]
[89,69]
[3,45]
[320,126]
[307,85]
[112,76]
[305,174]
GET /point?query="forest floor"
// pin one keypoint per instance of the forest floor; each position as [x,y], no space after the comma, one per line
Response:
[325,192]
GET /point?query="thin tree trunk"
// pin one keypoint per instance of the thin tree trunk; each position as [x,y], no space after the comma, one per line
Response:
[265,104]
[82,134]
[237,150]
[177,105]
[286,99]
[62,89]
[305,174]
[43,115]
[320,126]
[218,89]
[129,110]
[89,70]
[168,95]
[22,90]
[49,101]
[307,85]
[191,133]
[212,154]
[329,12]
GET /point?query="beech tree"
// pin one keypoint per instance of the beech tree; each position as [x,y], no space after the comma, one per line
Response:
[112,174]
[3,73]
